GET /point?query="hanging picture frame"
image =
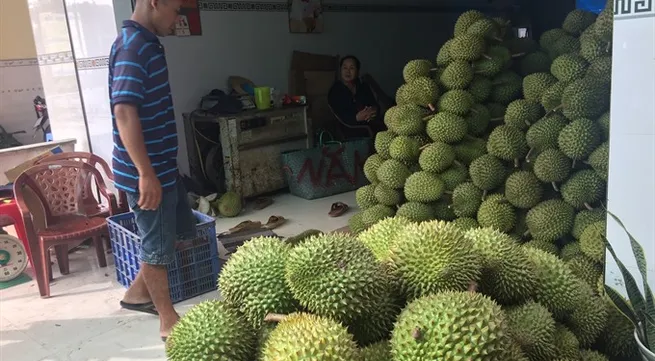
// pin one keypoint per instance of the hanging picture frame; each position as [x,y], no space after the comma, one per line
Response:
[305,16]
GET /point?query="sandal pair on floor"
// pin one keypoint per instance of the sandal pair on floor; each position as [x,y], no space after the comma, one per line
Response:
[273,222]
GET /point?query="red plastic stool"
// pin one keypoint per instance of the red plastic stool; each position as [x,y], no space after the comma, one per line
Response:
[9,214]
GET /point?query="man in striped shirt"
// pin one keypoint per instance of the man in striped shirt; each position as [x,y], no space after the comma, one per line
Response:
[145,152]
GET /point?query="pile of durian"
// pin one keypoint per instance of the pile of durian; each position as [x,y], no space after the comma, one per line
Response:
[502,132]
[403,291]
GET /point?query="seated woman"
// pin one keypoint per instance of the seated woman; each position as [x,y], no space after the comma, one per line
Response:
[353,102]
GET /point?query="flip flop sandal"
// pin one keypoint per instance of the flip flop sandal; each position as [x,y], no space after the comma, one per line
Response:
[147,307]
[274,222]
[244,226]
[263,202]
[338,209]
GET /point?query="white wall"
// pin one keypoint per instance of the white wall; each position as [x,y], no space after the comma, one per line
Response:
[631,190]
[258,46]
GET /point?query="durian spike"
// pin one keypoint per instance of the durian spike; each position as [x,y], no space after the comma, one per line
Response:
[274,317]
[554,186]
[588,206]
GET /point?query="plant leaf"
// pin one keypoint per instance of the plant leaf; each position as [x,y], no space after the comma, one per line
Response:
[621,305]
[650,332]
[634,294]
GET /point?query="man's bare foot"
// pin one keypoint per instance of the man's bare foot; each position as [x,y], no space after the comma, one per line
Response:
[165,326]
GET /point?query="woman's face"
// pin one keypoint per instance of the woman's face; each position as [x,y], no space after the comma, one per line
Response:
[348,70]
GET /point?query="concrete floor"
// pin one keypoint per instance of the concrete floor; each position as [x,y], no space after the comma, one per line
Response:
[82,320]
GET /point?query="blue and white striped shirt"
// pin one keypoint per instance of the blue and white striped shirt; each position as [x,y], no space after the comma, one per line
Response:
[138,75]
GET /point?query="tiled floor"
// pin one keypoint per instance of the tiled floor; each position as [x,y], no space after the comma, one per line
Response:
[82,320]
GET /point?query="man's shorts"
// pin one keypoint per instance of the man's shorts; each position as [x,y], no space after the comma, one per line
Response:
[160,229]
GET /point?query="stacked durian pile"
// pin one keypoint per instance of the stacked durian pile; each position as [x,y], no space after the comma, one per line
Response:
[402,291]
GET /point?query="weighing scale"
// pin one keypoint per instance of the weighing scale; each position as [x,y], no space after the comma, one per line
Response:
[13,257]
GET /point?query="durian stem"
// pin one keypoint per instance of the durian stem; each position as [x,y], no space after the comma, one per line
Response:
[428,117]
[557,108]
[486,56]
[517,163]
[527,156]
[432,108]
[588,206]
[497,119]
[417,334]
[527,123]
[484,195]
[497,38]
[573,164]
[526,234]
[554,186]
[425,146]
[457,163]
[473,286]
[448,193]
[274,317]
[518,55]
[434,69]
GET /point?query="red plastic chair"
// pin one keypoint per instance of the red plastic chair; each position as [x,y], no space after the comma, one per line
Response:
[59,188]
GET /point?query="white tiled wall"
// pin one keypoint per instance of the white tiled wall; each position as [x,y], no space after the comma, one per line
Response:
[631,190]
[20,83]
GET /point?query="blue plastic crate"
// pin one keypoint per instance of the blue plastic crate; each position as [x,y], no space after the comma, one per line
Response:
[196,266]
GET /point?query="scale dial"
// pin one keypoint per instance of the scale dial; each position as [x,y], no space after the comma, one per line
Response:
[13,257]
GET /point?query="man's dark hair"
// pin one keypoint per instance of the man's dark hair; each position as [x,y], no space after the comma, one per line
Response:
[358,64]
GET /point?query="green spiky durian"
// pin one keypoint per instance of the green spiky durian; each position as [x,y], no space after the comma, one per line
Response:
[470,149]
[454,176]
[544,133]
[603,28]
[535,62]
[443,57]
[604,125]
[380,351]
[466,223]
[466,19]
[496,212]
[442,210]
[570,251]
[436,157]
[551,99]
[456,101]
[487,172]
[402,95]
[507,87]
[376,323]
[415,211]
[467,47]
[478,120]
[252,280]
[496,110]
[522,113]
[424,187]
[590,355]
[393,173]
[433,257]
[387,196]
[475,325]
[552,166]
[381,237]
[601,69]
[376,213]
[567,345]
[382,142]
[550,220]
[356,223]
[364,196]
[579,138]
[585,218]
[577,21]
[373,162]
[405,119]
[557,287]
[523,189]
[423,91]
[305,336]
[585,98]
[532,326]
[486,28]
[507,276]
[415,69]
[480,88]
[534,85]
[507,143]
[457,75]
[446,127]
[404,149]
[585,269]
[325,257]
[549,37]
[589,317]
[545,246]
[569,67]
[584,188]
[300,237]
[592,241]
[592,47]
[599,160]
[564,45]
[211,330]
[488,66]
[467,199]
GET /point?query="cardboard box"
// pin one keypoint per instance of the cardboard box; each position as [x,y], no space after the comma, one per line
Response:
[14,172]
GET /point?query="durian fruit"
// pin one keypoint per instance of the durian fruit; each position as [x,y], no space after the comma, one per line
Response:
[480,88]
[552,166]
[475,326]
[466,19]
[252,279]
[393,173]
[578,21]
[466,200]
[569,67]
[557,287]
[567,346]
[387,196]
[415,69]
[382,142]
[423,91]
[478,120]
[405,119]
[550,220]
[507,143]
[507,275]
[447,127]
[456,101]
[437,157]
[583,188]
[532,326]
[584,268]
[467,47]
[457,75]
[522,113]
[404,148]
[382,236]
[543,134]
[375,324]
[579,138]
[211,330]
[376,213]
[294,240]
[590,355]
[589,316]
[325,257]
[586,217]
[599,160]
[601,70]
[534,85]
[454,176]
[416,211]
[424,187]
[585,98]
[443,57]
[592,241]
[535,62]
[466,223]
[571,251]
[546,246]
[523,189]
[373,162]
[365,197]
[356,223]
[435,256]
[549,37]
[487,172]
[507,87]
[380,351]
[304,336]
[497,213]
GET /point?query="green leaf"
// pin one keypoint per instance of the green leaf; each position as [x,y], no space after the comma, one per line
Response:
[621,305]
[634,294]
[650,333]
